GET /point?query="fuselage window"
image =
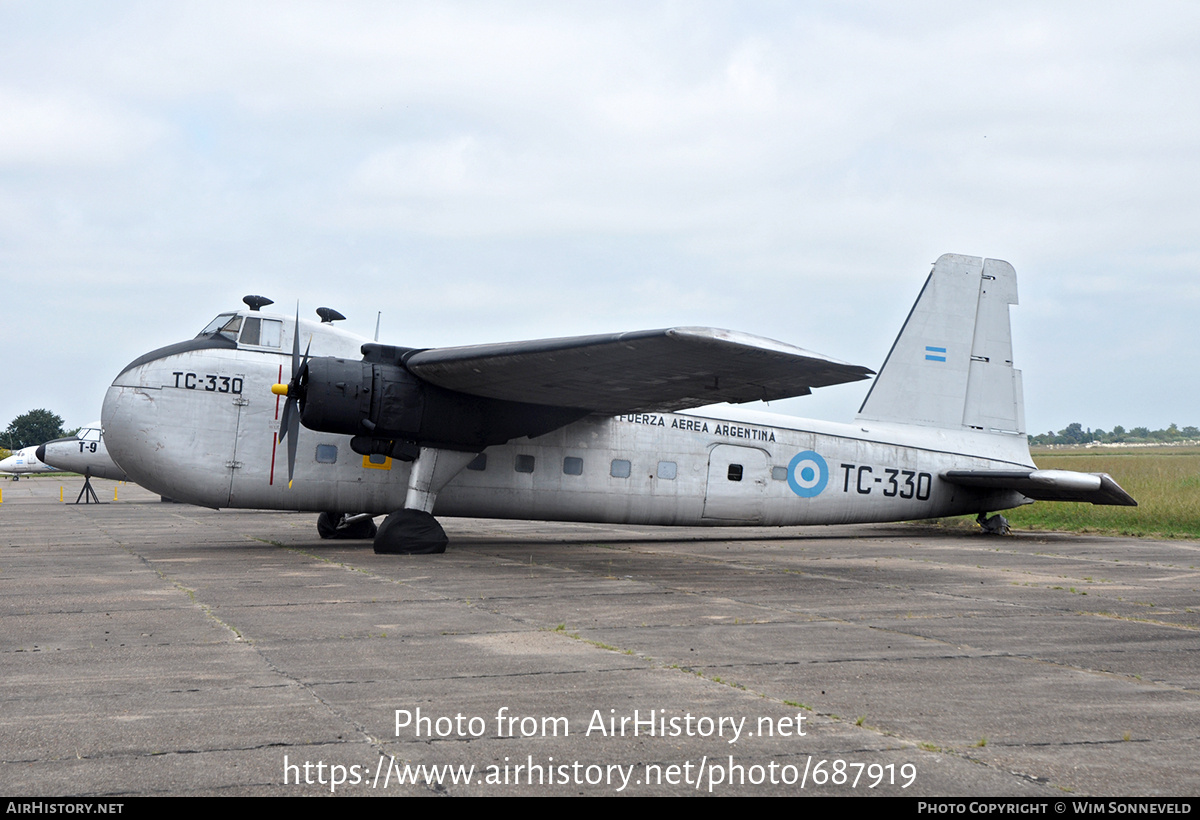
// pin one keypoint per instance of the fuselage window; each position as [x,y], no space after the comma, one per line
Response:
[620,468]
[524,464]
[572,466]
[666,469]
[326,453]
[779,473]
[735,472]
[479,464]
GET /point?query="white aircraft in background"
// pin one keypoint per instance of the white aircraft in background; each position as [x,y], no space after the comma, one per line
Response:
[24,462]
[589,428]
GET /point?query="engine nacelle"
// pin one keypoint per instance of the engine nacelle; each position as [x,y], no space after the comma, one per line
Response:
[390,411]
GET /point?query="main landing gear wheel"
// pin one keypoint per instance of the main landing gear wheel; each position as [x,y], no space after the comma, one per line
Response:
[334,525]
[410,532]
[995,525]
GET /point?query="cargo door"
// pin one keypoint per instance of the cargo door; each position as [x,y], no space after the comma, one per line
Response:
[737,483]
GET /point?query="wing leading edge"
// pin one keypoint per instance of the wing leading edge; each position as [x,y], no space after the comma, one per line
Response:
[1047,485]
[667,369]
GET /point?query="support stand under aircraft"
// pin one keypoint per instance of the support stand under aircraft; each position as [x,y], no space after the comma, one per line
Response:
[87,494]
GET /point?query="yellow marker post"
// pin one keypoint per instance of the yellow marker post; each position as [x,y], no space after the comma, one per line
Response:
[114,493]
[60,493]
[1,495]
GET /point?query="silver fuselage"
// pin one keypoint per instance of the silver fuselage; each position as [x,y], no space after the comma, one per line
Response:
[84,453]
[201,425]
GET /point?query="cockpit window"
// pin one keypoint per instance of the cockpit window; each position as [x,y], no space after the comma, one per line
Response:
[227,324]
[262,332]
[272,332]
[88,434]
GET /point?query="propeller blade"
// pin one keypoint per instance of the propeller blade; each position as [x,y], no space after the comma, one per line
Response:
[294,422]
[289,422]
[296,343]
[283,419]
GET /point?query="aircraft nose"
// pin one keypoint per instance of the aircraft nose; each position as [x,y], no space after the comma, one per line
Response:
[116,425]
[132,418]
[40,452]
[170,418]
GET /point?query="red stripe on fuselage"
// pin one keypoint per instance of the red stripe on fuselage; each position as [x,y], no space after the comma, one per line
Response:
[275,435]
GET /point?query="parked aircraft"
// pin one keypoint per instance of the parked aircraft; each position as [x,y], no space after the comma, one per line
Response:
[589,428]
[24,462]
[84,453]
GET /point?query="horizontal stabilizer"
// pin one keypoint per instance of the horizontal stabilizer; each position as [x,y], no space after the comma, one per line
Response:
[668,369]
[1047,485]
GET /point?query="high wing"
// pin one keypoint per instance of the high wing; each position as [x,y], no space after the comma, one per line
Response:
[1047,485]
[667,369]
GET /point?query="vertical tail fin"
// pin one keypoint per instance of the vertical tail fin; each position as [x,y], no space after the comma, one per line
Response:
[951,365]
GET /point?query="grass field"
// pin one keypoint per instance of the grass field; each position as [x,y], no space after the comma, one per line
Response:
[1164,480]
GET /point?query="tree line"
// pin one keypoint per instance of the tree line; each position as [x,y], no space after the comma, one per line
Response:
[1074,433]
[34,427]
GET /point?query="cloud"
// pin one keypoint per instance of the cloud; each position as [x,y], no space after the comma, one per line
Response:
[504,170]
[69,130]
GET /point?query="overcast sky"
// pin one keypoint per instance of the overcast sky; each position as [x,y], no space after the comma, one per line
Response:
[494,171]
